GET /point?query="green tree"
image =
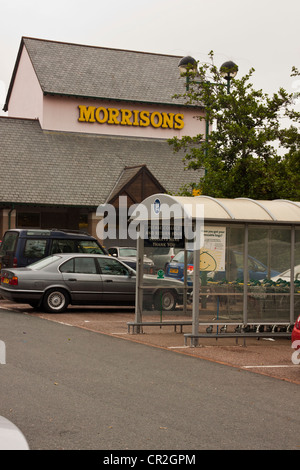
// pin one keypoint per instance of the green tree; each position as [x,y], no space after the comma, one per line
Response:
[290,141]
[238,154]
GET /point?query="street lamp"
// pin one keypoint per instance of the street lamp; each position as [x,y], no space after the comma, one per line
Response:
[228,70]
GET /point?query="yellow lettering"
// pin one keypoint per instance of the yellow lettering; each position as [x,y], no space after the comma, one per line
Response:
[168,120]
[156,119]
[113,116]
[144,118]
[86,114]
[136,118]
[103,119]
[126,115]
[179,121]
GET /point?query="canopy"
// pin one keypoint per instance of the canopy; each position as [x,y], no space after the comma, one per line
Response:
[219,209]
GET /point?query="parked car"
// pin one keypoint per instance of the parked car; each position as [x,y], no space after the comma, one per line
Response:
[161,256]
[22,247]
[296,334]
[11,437]
[257,270]
[80,279]
[286,275]
[128,255]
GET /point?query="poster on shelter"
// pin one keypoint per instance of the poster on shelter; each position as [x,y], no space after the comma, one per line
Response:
[212,254]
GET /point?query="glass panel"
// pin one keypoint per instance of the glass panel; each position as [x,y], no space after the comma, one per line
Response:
[64,245]
[258,254]
[35,248]
[268,289]
[28,219]
[85,265]
[112,267]
[9,242]
[280,241]
[297,274]
[223,299]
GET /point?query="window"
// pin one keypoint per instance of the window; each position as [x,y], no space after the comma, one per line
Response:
[85,265]
[79,265]
[67,267]
[112,267]
[63,246]
[35,248]
[9,242]
[89,246]
[28,219]
[75,246]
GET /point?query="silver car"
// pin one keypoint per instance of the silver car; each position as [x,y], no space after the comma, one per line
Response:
[84,279]
[128,255]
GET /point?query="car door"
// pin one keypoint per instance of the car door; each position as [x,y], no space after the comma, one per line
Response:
[82,277]
[118,281]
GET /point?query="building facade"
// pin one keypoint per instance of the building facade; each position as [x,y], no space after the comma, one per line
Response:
[86,125]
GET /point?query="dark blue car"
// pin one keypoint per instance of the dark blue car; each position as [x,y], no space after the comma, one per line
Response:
[257,270]
[21,247]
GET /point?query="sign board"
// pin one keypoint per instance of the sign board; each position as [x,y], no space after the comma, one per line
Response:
[166,236]
[212,254]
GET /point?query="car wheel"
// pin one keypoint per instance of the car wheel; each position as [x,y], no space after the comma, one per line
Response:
[165,300]
[55,301]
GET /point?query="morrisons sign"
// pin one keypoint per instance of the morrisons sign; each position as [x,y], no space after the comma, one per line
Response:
[126,117]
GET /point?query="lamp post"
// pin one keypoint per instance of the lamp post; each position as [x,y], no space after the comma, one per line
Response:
[228,71]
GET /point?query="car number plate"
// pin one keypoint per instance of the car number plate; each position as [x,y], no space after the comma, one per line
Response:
[173,270]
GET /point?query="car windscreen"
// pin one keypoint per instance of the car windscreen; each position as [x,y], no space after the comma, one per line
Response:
[179,258]
[43,263]
[128,252]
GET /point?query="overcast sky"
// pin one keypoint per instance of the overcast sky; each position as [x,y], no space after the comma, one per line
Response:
[263,34]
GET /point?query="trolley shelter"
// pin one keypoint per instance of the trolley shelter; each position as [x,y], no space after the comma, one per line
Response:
[236,269]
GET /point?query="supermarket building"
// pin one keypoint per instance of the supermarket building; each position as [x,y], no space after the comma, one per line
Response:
[85,126]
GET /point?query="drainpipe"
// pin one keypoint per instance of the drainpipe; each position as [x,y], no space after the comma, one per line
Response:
[9,216]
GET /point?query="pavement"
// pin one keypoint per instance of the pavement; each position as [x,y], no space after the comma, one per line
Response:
[267,356]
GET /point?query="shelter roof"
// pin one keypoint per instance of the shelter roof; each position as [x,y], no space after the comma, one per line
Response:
[219,209]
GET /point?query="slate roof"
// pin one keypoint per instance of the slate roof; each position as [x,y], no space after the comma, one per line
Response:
[97,72]
[77,169]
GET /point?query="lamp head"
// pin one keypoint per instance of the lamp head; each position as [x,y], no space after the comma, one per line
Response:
[228,70]
[186,63]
